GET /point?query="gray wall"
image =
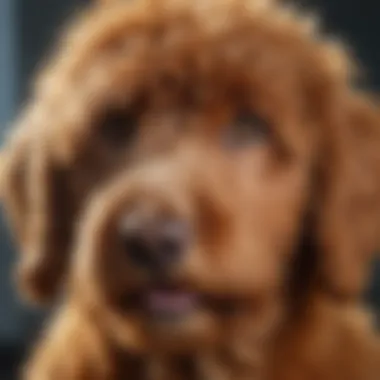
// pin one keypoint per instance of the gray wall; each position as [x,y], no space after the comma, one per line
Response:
[11,315]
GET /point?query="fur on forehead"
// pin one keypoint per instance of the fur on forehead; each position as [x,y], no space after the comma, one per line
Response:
[221,43]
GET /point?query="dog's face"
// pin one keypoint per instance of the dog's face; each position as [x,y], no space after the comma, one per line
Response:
[197,224]
[181,148]
[207,168]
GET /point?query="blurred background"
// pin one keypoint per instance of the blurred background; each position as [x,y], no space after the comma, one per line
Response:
[27,31]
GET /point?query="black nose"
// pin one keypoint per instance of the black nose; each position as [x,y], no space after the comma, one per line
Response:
[154,244]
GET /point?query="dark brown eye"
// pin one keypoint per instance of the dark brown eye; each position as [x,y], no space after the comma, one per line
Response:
[118,127]
[246,129]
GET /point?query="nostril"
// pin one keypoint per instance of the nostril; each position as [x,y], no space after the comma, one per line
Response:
[138,250]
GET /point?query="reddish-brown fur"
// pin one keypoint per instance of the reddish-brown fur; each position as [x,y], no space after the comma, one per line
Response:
[284,228]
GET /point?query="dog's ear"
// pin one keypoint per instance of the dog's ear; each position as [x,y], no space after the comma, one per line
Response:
[348,210]
[38,206]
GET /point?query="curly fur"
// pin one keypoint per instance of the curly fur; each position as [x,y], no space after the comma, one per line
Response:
[287,228]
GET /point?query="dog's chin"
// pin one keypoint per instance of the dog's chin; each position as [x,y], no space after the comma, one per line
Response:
[173,319]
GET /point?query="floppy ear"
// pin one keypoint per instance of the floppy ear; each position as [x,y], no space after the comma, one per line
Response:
[348,219]
[38,205]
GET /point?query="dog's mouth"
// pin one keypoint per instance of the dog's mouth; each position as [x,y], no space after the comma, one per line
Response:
[171,304]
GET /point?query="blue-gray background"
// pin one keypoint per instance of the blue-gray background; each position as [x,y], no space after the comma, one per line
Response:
[27,31]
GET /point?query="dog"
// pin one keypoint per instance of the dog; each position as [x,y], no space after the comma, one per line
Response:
[200,182]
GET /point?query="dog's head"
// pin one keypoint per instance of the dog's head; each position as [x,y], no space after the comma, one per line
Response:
[186,145]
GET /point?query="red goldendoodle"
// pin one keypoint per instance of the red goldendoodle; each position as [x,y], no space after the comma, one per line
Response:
[201,180]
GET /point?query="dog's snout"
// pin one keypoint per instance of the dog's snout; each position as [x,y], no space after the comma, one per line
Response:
[154,243]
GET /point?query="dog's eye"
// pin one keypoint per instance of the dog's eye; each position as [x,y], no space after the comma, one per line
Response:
[118,127]
[248,128]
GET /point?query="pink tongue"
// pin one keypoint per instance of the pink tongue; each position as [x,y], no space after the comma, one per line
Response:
[169,301]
